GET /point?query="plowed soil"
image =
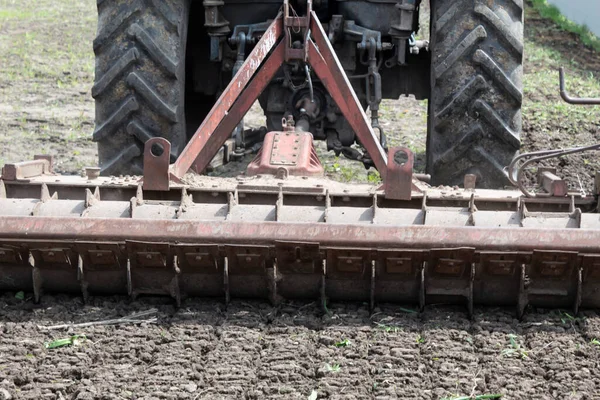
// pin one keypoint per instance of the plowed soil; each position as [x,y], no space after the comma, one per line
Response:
[252,350]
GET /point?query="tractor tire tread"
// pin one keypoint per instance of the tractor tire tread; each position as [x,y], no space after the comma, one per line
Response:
[476,95]
[140,72]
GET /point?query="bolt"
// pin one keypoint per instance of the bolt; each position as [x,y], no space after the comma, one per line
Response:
[92,172]
[470,181]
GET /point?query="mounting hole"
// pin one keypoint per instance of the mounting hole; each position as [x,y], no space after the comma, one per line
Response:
[400,157]
[157,149]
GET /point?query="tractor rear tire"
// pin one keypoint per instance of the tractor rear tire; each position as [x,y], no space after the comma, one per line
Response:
[474,120]
[140,80]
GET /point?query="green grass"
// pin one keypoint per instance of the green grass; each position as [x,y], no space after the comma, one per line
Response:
[46,73]
[33,52]
[543,109]
[553,13]
[333,367]
[514,348]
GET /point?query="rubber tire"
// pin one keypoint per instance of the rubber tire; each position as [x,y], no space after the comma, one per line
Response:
[474,120]
[140,80]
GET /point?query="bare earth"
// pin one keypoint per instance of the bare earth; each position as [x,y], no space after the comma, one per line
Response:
[251,350]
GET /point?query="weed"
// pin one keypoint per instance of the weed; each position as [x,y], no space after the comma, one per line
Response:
[343,343]
[476,397]
[515,348]
[595,342]
[567,318]
[333,367]
[374,177]
[420,339]
[388,328]
[75,340]
[408,310]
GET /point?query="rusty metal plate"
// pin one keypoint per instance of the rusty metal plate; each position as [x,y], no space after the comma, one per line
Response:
[501,263]
[285,148]
[10,255]
[149,255]
[398,182]
[590,263]
[196,258]
[348,263]
[399,264]
[157,153]
[450,263]
[553,264]
[298,257]
[247,260]
[101,256]
[54,257]
[26,169]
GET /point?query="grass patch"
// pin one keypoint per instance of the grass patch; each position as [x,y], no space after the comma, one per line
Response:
[34,54]
[543,109]
[552,13]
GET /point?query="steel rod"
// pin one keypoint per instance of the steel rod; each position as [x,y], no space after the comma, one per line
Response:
[573,100]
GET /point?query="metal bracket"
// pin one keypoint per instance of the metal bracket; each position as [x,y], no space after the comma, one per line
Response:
[15,269]
[546,276]
[104,264]
[398,185]
[201,270]
[156,164]
[450,273]
[297,257]
[41,165]
[152,269]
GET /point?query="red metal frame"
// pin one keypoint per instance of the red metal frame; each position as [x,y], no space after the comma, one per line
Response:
[253,77]
[234,103]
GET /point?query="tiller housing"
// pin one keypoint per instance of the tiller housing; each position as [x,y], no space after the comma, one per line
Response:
[285,232]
